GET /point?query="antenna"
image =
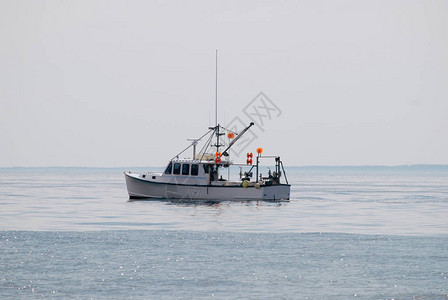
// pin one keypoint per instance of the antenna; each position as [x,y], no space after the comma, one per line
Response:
[216,105]
[194,142]
[216,90]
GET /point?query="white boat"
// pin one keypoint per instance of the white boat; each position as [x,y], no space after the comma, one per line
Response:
[202,176]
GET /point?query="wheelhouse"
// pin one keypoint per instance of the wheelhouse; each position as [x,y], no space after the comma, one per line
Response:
[182,168]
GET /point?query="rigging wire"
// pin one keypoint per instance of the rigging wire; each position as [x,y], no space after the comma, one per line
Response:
[191,145]
[206,145]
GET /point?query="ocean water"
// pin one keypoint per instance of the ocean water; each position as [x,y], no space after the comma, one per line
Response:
[368,233]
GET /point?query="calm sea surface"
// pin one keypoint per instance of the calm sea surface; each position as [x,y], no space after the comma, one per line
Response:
[371,232]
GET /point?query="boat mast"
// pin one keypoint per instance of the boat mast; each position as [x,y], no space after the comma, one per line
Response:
[216,105]
[216,90]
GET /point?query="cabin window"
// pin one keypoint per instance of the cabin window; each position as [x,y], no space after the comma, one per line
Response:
[169,168]
[194,169]
[185,169]
[205,169]
[176,169]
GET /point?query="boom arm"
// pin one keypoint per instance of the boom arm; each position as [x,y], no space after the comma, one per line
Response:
[225,153]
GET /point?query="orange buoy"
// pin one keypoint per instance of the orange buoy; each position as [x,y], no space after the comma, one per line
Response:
[230,135]
[251,155]
[259,150]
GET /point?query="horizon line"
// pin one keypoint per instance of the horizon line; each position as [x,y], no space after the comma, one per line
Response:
[295,166]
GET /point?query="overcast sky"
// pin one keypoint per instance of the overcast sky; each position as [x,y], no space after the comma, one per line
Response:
[125,83]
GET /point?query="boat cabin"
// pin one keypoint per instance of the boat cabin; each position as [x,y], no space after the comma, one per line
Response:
[191,171]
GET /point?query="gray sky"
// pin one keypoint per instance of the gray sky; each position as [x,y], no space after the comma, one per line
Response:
[124,83]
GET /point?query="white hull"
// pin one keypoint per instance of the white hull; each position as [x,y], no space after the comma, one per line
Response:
[220,191]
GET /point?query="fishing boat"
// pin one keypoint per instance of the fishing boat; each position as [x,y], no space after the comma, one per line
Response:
[203,175]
